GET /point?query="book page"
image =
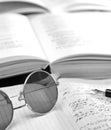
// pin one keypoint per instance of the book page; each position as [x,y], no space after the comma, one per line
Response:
[77,5]
[23,6]
[17,38]
[32,1]
[73,34]
[85,5]
[85,109]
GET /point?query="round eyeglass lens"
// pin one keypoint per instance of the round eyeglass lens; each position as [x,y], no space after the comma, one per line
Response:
[6,111]
[40,91]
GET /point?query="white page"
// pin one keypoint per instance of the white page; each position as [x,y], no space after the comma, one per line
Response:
[25,119]
[38,2]
[23,6]
[17,38]
[87,109]
[74,5]
[72,34]
[88,5]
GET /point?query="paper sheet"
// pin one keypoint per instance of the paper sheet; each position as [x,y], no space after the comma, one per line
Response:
[76,108]
[89,111]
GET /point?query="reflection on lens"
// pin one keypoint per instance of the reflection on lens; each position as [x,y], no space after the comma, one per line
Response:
[40,92]
[6,111]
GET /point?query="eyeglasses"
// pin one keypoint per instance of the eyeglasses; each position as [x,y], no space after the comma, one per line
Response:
[40,93]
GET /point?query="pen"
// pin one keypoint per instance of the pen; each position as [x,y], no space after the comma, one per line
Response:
[106,93]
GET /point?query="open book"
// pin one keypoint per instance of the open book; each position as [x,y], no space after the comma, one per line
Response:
[73,44]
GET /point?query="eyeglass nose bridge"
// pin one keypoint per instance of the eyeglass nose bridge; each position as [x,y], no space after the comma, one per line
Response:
[21,96]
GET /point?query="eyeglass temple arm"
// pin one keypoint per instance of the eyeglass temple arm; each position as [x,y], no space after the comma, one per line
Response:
[56,77]
[48,69]
[15,108]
